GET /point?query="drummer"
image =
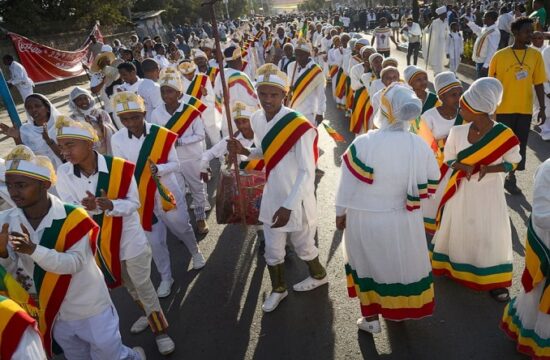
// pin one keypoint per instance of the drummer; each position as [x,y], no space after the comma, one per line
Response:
[240,114]
[288,202]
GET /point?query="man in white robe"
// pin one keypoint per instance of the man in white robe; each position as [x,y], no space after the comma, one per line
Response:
[288,203]
[19,77]
[435,40]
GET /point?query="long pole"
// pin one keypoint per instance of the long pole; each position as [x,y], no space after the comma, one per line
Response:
[8,101]
[225,92]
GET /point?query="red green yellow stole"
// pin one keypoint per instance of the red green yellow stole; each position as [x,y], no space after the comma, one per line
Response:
[361,111]
[115,184]
[341,83]
[212,72]
[356,167]
[306,83]
[10,288]
[281,138]
[181,120]
[199,105]
[258,35]
[537,267]
[14,321]
[253,164]
[156,147]
[240,78]
[50,287]
[332,70]
[245,63]
[195,88]
[493,145]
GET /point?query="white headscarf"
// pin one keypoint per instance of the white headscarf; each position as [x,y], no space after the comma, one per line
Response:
[398,106]
[77,112]
[483,96]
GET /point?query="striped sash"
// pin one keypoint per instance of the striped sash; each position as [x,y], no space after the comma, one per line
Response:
[14,321]
[115,184]
[212,72]
[195,88]
[493,145]
[51,287]
[306,83]
[482,39]
[240,78]
[157,145]
[9,287]
[181,120]
[281,138]
[537,267]
[362,111]
[333,70]
[341,81]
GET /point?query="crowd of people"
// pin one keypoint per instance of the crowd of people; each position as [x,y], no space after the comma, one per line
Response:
[93,193]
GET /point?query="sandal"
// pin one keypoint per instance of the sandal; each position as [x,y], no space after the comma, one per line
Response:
[500,295]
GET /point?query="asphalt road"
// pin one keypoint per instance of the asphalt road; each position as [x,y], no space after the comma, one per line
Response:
[216,313]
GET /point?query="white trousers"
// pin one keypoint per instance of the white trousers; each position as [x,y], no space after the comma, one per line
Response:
[453,64]
[136,274]
[95,338]
[303,242]
[177,221]
[190,170]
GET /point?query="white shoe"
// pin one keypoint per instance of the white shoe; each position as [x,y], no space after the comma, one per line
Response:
[310,283]
[198,261]
[165,344]
[165,288]
[141,352]
[372,327]
[140,325]
[273,301]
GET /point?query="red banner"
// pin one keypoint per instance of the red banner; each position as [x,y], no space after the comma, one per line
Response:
[45,64]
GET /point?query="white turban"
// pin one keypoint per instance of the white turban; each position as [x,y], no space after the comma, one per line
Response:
[483,96]
[374,56]
[398,105]
[362,41]
[446,81]
[411,72]
[441,10]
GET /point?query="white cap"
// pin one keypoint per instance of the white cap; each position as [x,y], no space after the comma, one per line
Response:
[22,161]
[106,48]
[441,10]
[446,81]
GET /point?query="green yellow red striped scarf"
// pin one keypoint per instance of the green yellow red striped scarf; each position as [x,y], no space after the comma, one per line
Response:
[281,138]
[493,145]
[181,120]
[362,111]
[51,287]
[115,183]
[240,78]
[306,83]
[341,82]
[14,321]
[333,70]
[212,72]
[537,267]
[195,88]
[156,147]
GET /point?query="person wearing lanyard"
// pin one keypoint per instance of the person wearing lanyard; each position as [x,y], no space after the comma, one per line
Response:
[519,68]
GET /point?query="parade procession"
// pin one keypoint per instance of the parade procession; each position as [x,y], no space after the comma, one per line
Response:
[341,182]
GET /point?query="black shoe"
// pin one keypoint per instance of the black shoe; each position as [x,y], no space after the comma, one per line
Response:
[500,295]
[510,185]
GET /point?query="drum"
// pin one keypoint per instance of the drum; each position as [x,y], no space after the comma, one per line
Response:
[227,198]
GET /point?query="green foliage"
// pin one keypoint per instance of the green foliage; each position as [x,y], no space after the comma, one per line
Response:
[311,5]
[468,51]
[49,16]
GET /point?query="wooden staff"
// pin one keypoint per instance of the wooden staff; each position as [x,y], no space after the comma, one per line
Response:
[225,92]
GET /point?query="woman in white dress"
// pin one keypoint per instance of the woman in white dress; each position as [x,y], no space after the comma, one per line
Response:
[38,131]
[439,120]
[526,319]
[473,243]
[384,174]
[417,79]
